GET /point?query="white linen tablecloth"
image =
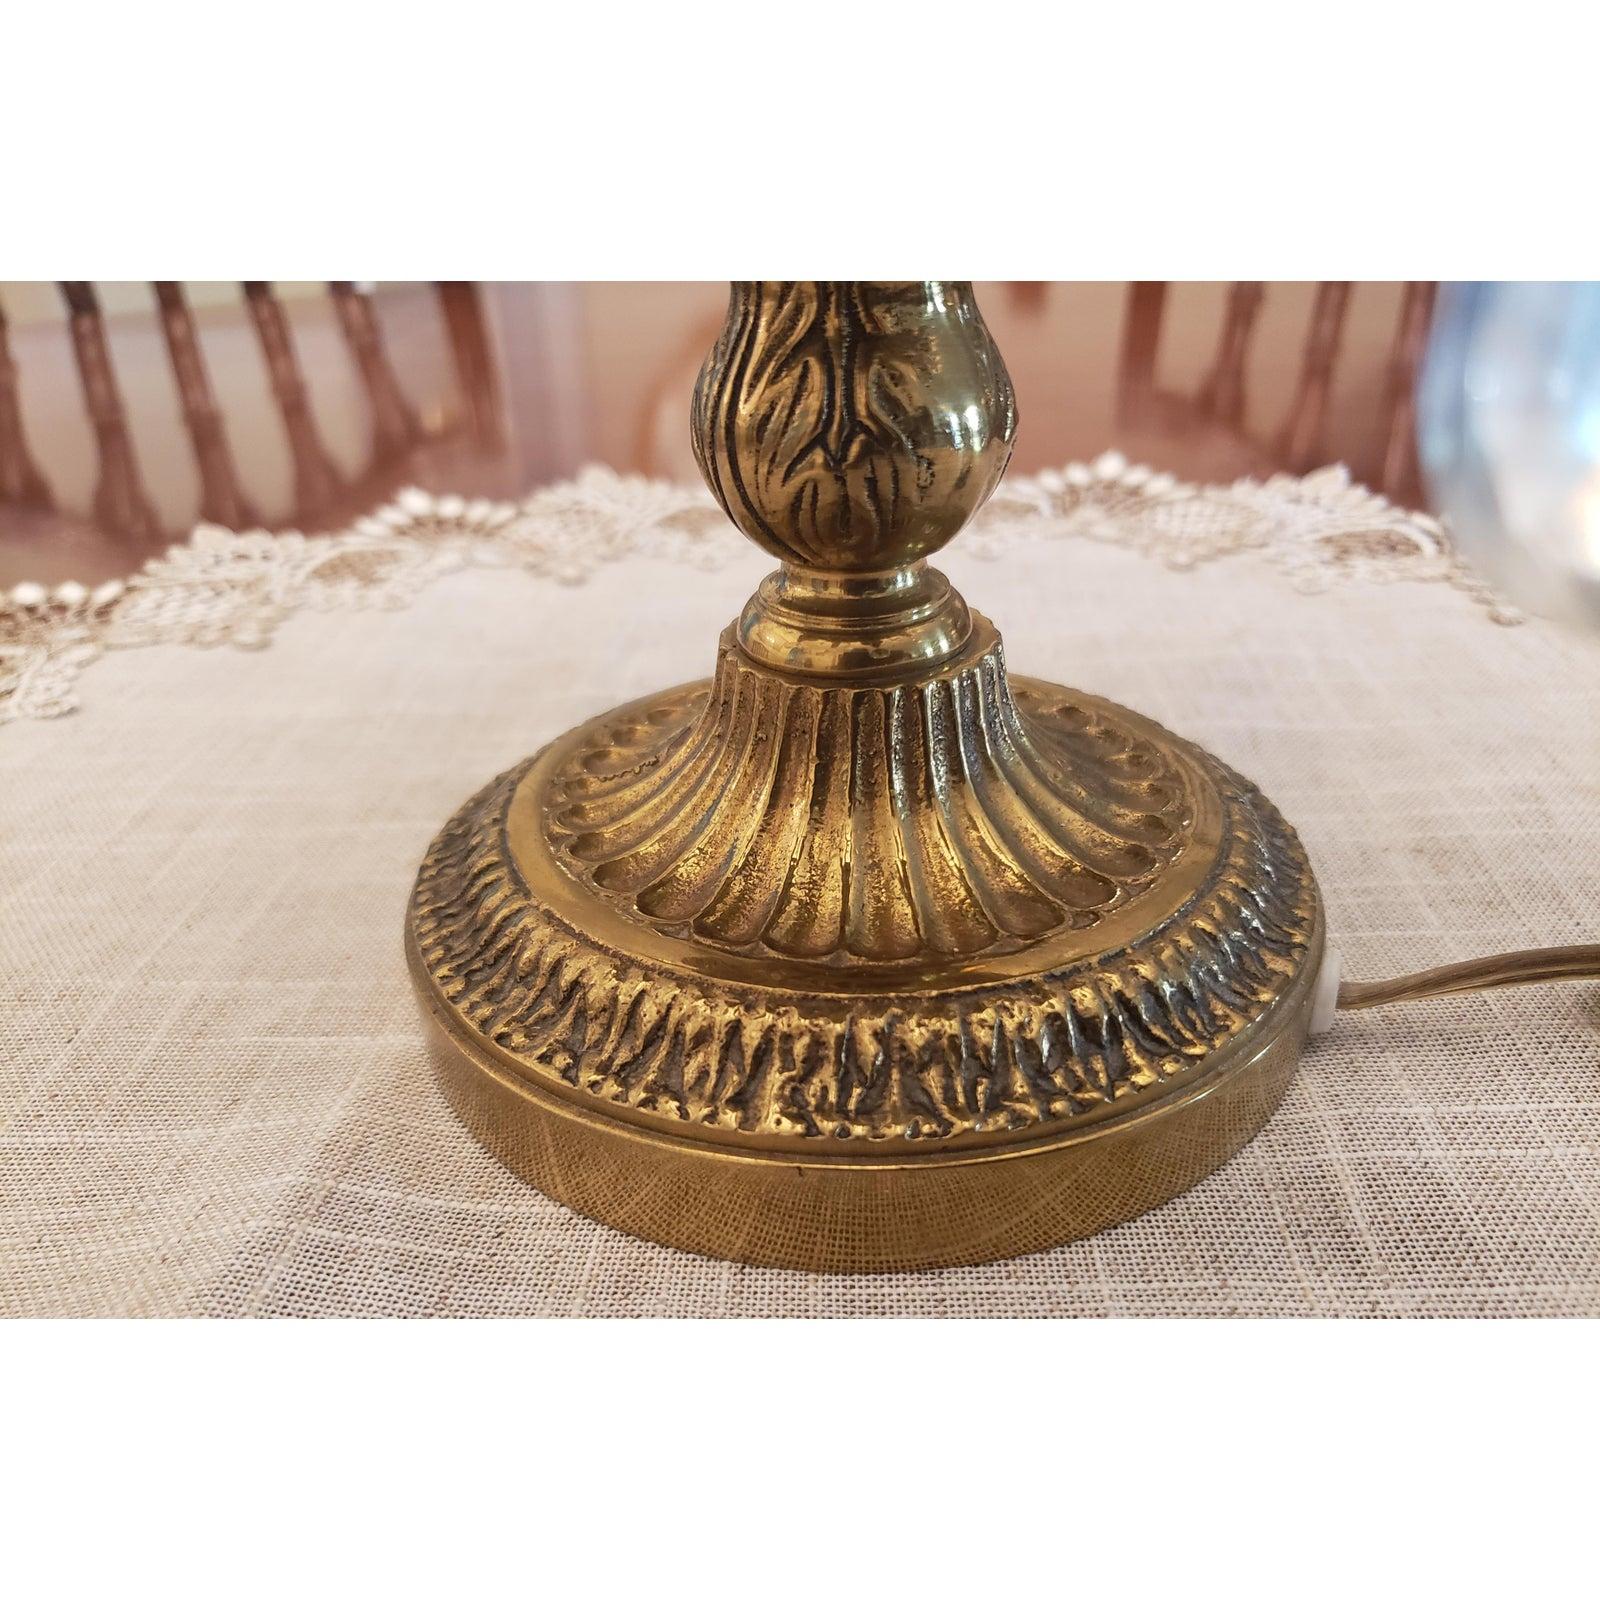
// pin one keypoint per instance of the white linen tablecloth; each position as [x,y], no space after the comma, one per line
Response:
[214,1094]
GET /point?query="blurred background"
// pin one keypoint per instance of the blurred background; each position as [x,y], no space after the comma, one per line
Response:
[129,411]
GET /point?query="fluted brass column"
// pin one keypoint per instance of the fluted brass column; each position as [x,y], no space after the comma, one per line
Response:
[863,955]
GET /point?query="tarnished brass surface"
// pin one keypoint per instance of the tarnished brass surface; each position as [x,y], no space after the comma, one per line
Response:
[856,827]
[853,427]
[850,429]
[669,1021]
[862,955]
[828,1209]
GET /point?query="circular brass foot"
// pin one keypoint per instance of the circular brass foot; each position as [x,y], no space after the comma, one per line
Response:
[897,1210]
[705,1031]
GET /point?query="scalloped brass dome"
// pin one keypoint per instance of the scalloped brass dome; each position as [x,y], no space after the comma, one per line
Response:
[876,825]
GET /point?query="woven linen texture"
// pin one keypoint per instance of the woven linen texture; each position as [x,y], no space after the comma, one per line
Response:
[214,1095]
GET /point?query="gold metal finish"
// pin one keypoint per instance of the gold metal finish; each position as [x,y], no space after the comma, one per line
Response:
[824,1014]
[883,1210]
[863,955]
[853,427]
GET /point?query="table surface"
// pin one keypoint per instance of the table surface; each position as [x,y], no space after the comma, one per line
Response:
[215,1097]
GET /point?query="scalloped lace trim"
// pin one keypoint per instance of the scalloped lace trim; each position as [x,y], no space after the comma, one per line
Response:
[235,588]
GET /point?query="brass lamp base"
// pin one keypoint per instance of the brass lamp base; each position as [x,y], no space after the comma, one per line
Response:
[884,1213]
[744,1107]
[863,956]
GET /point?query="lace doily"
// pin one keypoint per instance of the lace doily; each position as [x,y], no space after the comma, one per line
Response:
[235,588]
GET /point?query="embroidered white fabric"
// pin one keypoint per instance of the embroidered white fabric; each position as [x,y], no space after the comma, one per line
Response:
[235,588]
[214,1095]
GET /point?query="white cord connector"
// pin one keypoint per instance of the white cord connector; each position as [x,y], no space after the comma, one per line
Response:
[1325,1002]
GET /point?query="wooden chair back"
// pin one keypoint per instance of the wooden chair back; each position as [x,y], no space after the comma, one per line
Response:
[1220,400]
[121,506]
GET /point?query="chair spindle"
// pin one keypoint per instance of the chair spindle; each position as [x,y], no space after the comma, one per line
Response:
[21,481]
[316,480]
[1303,431]
[1400,476]
[475,370]
[395,429]
[1222,393]
[1141,337]
[121,505]
[222,500]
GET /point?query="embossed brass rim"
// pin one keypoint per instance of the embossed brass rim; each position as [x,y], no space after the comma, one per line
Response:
[1292,1009]
[851,1213]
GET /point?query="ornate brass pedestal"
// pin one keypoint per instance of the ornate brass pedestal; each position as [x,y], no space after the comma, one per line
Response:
[863,955]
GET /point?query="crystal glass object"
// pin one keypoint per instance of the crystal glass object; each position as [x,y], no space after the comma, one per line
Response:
[1509,436]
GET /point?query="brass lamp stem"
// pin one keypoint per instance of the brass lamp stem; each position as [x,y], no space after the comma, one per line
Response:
[851,429]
